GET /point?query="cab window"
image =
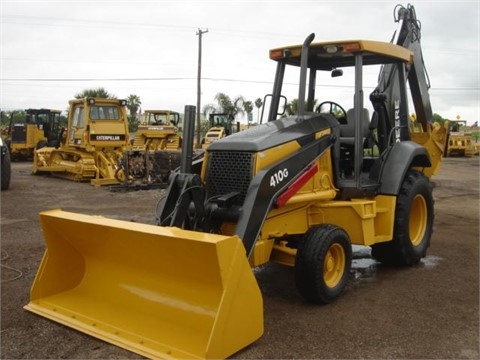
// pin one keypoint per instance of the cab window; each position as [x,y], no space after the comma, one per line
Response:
[104,112]
[78,120]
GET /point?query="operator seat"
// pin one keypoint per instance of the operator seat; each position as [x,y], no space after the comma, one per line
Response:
[347,142]
[347,131]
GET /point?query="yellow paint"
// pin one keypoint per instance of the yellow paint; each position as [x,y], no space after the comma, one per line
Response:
[160,292]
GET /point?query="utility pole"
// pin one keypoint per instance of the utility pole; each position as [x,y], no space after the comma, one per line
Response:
[199,80]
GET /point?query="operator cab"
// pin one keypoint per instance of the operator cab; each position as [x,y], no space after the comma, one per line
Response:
[367,131]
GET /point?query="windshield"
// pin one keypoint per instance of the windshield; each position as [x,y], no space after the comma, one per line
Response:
[104,112]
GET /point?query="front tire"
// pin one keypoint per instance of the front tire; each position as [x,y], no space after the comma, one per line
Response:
[413,224]
[322,263]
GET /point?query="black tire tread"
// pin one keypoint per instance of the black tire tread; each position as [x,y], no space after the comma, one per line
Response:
[400,251]
[309,263]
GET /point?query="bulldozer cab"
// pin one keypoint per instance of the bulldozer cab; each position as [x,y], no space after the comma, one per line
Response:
[95,122]
[161,117]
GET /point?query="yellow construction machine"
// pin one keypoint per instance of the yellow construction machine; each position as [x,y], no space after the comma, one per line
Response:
[41,128]
[297,190]
[158,131]
[220,125]
[459,142]
[96,147]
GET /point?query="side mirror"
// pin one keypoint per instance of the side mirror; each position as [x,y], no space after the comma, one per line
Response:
[337,72]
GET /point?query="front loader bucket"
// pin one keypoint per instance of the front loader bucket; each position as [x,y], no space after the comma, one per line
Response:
[161,292]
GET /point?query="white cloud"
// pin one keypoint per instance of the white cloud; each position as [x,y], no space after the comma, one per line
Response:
[157,40]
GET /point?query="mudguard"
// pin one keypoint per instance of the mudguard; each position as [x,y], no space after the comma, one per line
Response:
[401,157]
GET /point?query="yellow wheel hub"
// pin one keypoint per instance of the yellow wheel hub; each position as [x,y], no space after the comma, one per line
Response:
[334,265]
[418,220]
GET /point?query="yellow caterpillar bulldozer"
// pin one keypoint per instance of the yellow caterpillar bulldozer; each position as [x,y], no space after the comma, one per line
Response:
[158,131]
[297,190]
[158,139]
[96,147]
[91,146]
[459,142]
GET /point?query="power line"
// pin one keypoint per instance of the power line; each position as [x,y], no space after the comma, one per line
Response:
[204,78]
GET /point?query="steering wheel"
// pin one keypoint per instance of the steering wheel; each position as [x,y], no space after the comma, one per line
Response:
[334,109]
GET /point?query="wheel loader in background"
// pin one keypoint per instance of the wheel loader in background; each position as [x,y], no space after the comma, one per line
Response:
[220,126]
[96,147]
[41,128]
[297,190]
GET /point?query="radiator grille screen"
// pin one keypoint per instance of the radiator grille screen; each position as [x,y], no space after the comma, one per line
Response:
[19,134]
[229,171]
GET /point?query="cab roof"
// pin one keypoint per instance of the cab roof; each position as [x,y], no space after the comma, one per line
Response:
[161,111]
[335,54]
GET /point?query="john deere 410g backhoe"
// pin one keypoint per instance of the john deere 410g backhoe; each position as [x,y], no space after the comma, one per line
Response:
[298,190]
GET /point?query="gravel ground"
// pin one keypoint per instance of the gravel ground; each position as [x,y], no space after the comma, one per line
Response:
[430,311]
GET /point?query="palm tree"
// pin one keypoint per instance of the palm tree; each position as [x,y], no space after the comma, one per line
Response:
[225,105]
[291,108]
[95,93]
[258,105]
[133,104]
[248,107]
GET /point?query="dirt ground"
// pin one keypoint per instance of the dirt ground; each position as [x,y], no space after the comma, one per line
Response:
[428,311]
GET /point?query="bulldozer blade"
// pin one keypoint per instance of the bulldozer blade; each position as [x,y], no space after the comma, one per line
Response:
[161,292]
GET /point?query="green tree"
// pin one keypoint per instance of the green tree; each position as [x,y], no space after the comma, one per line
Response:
[248,107]
[291,108]
[438,119]
[96,93]
[258,105]
[19,117]
[133,104]
[225,105]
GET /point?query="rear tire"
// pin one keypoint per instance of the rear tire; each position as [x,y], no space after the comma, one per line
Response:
[322,263]
[413,225]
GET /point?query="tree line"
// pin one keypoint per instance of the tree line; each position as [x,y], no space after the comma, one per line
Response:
[232,107]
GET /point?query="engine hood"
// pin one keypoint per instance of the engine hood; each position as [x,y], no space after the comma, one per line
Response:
[274,133]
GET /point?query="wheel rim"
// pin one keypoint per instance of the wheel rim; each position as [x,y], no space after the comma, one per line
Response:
[334,265]
[418,220]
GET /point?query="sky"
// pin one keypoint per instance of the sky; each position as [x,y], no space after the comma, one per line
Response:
[52,50]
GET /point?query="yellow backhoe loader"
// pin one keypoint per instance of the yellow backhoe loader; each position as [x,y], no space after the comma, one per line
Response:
[297,190]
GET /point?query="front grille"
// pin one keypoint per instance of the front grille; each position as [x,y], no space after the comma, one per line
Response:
[19,134]
[229,171]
